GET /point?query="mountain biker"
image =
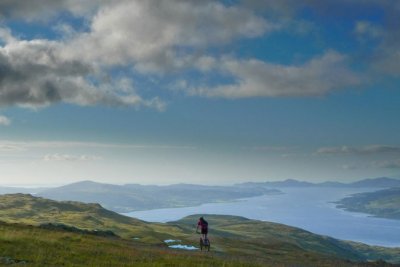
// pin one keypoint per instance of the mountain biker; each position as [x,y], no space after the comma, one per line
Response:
[203,224]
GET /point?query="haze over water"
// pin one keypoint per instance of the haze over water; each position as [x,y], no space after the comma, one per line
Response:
[307,208]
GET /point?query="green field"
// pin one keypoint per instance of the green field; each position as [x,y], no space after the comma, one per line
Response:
[41,232]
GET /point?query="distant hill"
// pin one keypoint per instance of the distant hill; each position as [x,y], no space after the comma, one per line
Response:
[381,182]
[132,197]
[285,183]
[236,241]
[383,203]
[377,182]
[25,190]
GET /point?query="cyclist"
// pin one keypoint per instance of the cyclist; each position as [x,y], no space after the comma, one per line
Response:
[203,225]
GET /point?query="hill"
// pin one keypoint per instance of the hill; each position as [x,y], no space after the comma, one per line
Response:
[267,240]
[380,182]
[27,209]
[236,241]
[24,190]
[133,197]
[383,203]
[33,246]
[377,183]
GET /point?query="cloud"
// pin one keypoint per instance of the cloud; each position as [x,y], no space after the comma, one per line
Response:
[159,36]
[10,148]
[383,57]
[149,36]
[43,9]
[66,157]
[255,78]
[367,29]
[4,121]
[270,148]
[388,164]
[383,164]
[365,150]
[350,166]
[34,74]
[162,37]
[6,145]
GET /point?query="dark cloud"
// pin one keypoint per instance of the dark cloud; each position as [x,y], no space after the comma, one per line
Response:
[34,74]
[155,37]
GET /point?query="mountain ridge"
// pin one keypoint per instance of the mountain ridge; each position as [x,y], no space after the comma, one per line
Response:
[379,182]
[133,197]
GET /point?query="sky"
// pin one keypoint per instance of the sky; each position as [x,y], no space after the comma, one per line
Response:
[205,92]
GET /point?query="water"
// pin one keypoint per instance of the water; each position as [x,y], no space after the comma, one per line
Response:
[306,208]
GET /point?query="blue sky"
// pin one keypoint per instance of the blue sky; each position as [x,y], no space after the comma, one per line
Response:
[214,92]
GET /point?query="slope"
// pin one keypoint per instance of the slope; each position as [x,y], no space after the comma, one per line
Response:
[383,203]
[252,242]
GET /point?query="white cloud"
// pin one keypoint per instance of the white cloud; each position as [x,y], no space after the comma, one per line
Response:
[366,28]
[255,78]
[160,35]
[6,36]
[150,36]
[350,166]
[157,37]
[6,145]
[365,150]
[43,9]
[271,148]
[387,164]
[66,157]
[381,164]
[4,121]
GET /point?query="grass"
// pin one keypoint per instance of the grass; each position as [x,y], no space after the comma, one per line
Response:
[31,210]
[235,241]
[243,236]
[41,247]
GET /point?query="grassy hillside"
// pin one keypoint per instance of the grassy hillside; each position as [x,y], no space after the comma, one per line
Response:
[235,241]
[268,240]
[383,203]
[32,246]
[27,209]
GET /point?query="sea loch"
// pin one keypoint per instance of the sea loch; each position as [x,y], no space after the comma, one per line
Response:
[311,209]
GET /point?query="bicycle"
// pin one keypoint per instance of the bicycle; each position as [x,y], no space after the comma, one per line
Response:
[204,243]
